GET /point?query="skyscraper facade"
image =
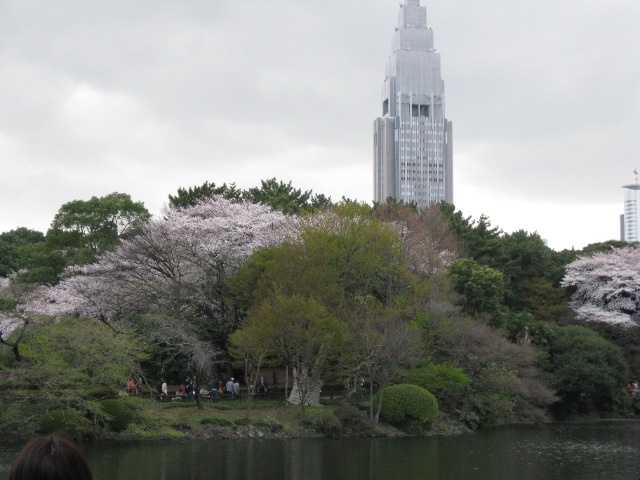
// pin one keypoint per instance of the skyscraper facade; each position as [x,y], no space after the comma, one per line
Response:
[630,224]
[413,155]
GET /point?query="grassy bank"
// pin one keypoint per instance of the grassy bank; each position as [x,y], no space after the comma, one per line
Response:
[131,418]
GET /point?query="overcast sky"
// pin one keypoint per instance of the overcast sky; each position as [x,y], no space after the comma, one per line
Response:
[143,97]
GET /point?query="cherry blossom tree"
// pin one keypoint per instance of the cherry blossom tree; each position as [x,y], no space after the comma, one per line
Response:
[174,264]
[169,280]
[607,286]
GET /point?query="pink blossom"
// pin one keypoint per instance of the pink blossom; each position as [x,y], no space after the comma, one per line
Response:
[173,264]
[607,286]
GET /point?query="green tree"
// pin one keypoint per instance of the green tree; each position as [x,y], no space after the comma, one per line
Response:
[523,258]
[72,361]
[590,371]
[481,287]
[191,196]
[250,347]
[380,347]
[300,332]
[80,231]
[10,244]
[285,198]
[41,264]
[356,267]
[95,225]
[342,255]
[502,383]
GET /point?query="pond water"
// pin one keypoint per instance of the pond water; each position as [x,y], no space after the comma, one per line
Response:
[602,450]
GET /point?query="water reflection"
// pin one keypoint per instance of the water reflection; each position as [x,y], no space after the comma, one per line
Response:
[587,451]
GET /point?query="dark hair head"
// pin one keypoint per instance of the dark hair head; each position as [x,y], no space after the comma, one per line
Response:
[51,457]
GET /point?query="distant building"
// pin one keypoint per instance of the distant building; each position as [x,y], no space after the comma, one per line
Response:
[629,223]
[413,143]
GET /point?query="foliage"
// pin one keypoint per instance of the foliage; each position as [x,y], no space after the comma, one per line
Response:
[589,370]
[427,237]
[283,197]
[250,347]
[495,367]
[83,357]
[546,302]
[522,328]
[380,347]
[79,232]
[351,418]
[100,221]
[299,331]
[277,195]
[531,270]
[606,286]
[627,339]
[485,408]
[523,257]
[41,264]
[482,287]
[70,421]
[168,280]
[118,414]
[409,406]
[355,267]
[441,379]
[194,195]
[10,244]
[324,422]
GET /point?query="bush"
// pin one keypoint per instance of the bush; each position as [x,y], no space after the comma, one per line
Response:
[328,424]
[589,371]
[440,378]
[352,418]
[324,422]
[69,421]
[408,406]
[118,413]
[481,409]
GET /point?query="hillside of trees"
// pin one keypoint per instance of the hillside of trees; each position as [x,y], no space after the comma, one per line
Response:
[497,326]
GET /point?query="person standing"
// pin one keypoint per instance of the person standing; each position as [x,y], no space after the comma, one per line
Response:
[229,387]
[139,387]
[262,386]
[163,390]
[130,386]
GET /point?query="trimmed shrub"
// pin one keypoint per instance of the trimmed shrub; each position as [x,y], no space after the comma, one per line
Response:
[243,422]
[408,406]
[119,414]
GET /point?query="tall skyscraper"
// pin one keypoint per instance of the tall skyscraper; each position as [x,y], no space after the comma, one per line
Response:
[630,222]
[413,155]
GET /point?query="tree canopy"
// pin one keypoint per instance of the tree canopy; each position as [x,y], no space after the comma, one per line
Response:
[606,286]
[273,193]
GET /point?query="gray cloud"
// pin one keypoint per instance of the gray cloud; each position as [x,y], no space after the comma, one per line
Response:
[145,97]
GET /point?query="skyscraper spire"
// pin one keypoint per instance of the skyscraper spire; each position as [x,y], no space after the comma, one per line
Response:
[412,139]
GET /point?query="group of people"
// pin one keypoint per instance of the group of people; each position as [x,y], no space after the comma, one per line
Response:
[232,388]
[133,388]
[633,388]
[216,389]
